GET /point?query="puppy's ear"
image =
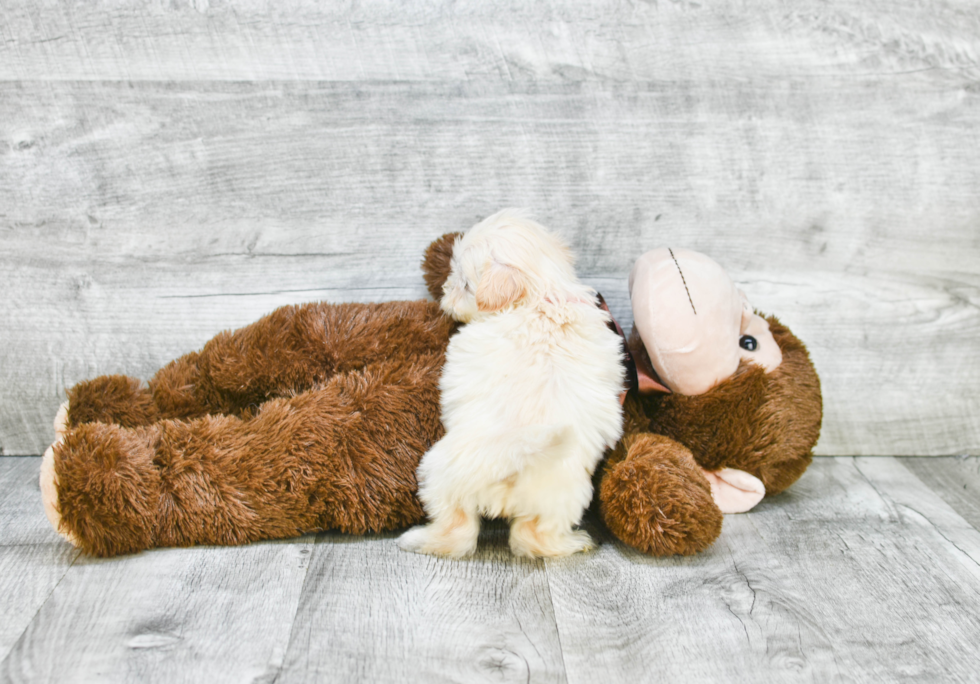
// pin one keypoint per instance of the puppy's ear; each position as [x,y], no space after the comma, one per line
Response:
[436,264]
[500,285]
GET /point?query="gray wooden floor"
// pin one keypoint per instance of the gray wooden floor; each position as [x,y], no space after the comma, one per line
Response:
[868,569]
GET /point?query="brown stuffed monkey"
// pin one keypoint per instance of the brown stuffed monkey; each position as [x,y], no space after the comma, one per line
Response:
[726,408]
[316,416]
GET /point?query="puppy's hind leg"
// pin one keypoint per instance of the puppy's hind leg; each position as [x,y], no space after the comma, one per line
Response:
[537,538]
[454,527]
[452,533]
[552,497]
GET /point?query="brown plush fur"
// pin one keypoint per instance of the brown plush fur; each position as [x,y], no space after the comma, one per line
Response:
[342,455]
[111,399]
[292,349]
[652,494]
[315,417]
[762,423]
[108,487]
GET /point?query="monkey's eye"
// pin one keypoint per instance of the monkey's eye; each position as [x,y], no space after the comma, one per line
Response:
[748,343]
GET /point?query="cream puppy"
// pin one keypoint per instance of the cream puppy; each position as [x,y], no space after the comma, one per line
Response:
[529,395]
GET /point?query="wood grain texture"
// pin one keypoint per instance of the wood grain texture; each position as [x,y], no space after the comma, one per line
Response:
[32,558]
[857,573]
[373,613]
[174,170]
[956,480]
[178,615]
[565,40]
[28,576]
[22,522]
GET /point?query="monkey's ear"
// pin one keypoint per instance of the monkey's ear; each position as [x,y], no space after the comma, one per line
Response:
[436,264]
[500,286]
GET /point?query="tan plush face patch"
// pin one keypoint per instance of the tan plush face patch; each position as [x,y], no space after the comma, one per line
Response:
[694,322]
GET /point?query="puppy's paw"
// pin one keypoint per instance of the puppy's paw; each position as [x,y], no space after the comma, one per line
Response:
[436,540]
[415,539]
[529,540]
[49,494]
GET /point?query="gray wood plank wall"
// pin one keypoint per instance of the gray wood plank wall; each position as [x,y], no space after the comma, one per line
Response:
[169,170]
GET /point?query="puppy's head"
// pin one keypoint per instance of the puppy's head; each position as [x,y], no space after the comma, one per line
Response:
[506,260]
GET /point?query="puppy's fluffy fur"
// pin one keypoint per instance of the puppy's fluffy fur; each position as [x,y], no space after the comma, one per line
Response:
[529,395]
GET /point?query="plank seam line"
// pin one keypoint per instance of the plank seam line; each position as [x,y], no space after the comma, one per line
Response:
[888,502]
[299,601]
[898,506]
[551,599]
[78,553]
[941,534]
[366,288]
